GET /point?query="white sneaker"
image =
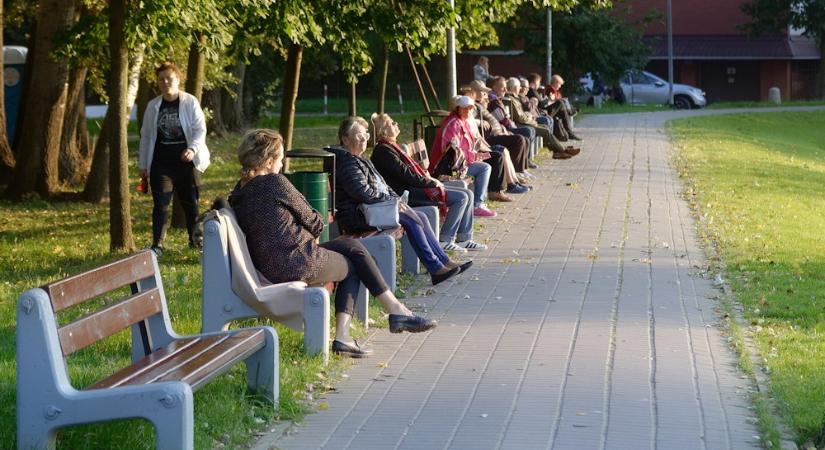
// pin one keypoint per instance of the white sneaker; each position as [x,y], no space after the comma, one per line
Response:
[452,247]
[471,245]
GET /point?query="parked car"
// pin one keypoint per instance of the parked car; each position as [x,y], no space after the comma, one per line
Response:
[641,87]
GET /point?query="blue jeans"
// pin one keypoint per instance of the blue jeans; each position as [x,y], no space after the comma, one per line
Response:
[423,240]
[545,120]
[480,171]
[459,221]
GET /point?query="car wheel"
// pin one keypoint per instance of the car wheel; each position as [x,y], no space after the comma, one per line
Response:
[682,102]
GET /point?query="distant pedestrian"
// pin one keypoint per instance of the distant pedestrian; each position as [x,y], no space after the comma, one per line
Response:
[481,71]
[172,147]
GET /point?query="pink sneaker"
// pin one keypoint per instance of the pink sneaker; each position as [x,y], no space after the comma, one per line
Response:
[483,211]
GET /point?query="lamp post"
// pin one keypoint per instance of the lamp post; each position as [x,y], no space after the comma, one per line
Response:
[669,53]
[550,44]
[451,71]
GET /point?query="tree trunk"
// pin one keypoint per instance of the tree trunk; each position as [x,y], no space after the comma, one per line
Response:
[232,103]
[73,165]
[37,168]
[292,79]
[6,155]
[819,90]
[97,182]
[351,98]
[214,100]
[195,67]
[120,221]
[382,81]
[145,92]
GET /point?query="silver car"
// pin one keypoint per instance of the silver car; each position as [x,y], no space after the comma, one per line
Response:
[641,87]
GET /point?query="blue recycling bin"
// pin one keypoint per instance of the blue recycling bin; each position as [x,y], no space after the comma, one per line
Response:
[14,63]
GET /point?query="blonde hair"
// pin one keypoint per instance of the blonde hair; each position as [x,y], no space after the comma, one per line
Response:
[557,79]
[381,125]
[256,148]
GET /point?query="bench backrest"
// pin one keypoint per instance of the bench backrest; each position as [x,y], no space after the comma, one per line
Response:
[229,263]
[146,300]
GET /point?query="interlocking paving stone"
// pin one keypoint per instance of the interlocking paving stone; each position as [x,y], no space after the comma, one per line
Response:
[586,325]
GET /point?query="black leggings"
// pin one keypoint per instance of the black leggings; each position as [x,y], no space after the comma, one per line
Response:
[164,179]
[361,268]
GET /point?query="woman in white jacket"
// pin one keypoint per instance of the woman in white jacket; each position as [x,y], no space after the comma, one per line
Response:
[172,146]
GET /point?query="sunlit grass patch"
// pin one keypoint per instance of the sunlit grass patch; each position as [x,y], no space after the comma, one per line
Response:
[758,182]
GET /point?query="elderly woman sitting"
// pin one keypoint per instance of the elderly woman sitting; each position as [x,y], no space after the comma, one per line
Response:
[281,230]
[405,174]
[358,182]
[456,133]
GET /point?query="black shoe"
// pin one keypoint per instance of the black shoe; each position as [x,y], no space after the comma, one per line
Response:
[574,137]
[158,250]
[412,324]
[463,268]
[532,165]
[444,276]
[353,351]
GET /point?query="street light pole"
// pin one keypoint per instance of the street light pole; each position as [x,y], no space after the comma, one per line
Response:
[549,44]
[669,53]
[451,70]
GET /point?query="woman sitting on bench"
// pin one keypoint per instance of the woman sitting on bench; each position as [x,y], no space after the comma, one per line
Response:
[281,230]
[357,182]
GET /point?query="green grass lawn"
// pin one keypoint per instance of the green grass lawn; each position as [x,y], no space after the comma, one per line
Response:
[44,241]
[758,182]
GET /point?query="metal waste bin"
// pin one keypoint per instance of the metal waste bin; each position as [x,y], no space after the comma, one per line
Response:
[317,187]
[14,63]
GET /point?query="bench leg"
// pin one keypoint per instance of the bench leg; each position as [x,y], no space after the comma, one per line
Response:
[316,322]
[262,368]
[409,259]
[382,249]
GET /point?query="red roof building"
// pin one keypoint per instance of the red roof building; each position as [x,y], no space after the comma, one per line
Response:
[713,53]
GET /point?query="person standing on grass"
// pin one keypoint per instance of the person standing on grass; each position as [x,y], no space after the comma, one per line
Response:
[172,147]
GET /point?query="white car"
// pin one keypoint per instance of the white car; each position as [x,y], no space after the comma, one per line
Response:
[641,87]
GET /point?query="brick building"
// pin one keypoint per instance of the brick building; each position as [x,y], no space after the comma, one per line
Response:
[712,53]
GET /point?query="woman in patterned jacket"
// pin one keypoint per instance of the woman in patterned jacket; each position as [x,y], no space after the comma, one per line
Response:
[281,230]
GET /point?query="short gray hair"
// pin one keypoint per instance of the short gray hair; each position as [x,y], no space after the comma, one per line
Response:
[348,124]
[513,84]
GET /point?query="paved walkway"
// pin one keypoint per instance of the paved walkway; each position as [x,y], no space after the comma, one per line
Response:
[587,325]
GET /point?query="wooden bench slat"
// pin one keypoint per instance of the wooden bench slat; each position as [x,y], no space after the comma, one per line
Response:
[123,376]
[79,288]
[103,323]
[149,368]
[194,363]
[218,359]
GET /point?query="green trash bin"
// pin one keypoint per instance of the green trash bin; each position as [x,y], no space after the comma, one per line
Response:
[315,187]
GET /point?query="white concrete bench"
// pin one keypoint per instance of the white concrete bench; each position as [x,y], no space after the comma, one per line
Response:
[166,368]
[233,288]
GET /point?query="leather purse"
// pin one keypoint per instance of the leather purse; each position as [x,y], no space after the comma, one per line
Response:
[381,215]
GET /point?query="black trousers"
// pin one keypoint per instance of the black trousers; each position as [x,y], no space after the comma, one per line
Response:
[518,147]
[164,179]
[361,268]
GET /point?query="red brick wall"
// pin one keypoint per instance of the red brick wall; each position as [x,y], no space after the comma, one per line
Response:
[692,17]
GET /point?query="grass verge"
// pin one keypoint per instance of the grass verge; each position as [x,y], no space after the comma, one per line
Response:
[757,181]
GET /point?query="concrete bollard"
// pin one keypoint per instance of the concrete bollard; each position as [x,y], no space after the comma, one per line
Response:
[597,101]
[775,96]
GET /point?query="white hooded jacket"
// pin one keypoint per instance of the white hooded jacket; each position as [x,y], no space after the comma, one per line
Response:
[193,123]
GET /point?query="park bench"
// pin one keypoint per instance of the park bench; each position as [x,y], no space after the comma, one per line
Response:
[166,368]
[232,288]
